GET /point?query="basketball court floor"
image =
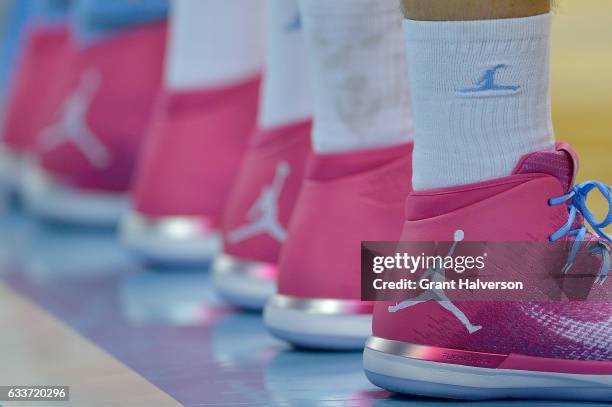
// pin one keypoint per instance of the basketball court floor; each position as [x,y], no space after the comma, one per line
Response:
[76,310]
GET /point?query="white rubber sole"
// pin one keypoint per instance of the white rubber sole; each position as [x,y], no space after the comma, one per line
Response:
[433,379]
[175,240]
[307,328]
[51,199]
[242,284]
[10,168]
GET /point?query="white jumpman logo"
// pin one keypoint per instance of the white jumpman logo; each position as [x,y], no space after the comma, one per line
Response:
[72,124]
[438,276]
[264,212]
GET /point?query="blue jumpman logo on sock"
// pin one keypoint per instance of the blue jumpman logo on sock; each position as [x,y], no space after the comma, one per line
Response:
[487,82]
[295,24]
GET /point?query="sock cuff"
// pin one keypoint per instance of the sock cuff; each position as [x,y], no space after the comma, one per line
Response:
[357,60]
[497,30]
[458,53]
[481,97]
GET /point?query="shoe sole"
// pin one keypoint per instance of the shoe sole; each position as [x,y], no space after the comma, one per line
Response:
[169,241]
[10,169]
[310,325]
[50,199]
[412,376]
[242,284]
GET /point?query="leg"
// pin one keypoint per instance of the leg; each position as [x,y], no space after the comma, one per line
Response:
[52,136]
[286,92]
[283,169]
[214,43]
[244,232]
[460,316]
[358,71]
[406,304]
[96,152]
[479,72]
[277,231]
[361,141]
[480,88]
[467,10]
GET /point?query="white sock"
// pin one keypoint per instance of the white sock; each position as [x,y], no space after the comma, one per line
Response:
[214,42]
[286,93]
[358,65]
[481,97]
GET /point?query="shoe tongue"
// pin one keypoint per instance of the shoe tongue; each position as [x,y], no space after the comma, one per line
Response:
[561,163]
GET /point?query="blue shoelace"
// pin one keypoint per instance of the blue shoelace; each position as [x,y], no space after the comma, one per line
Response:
[577,198]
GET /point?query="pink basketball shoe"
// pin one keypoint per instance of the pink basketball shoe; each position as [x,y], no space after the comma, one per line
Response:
[186,171]
[257,214]
[515,349]
[345,198]
[85,154]
[46,57]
